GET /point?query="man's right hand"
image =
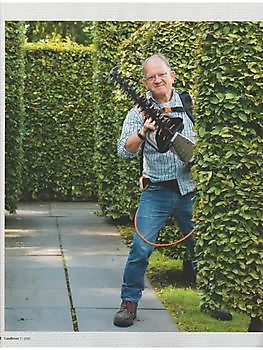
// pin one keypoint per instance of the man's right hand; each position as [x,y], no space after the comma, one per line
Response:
[134,142]
[149,124]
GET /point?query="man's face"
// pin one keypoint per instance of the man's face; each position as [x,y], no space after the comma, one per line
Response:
[158,78]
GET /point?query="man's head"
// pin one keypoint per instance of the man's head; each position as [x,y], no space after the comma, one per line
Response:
[158,77]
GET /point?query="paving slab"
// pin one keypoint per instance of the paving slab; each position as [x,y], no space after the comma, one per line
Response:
[37,298]
[25,272]
[100,320]
[109,297]
[86,225]
[93,244]
[61,256]
[32,251]
[83,236]
[32,209]
[53,319]
[24,224]
[79,209]
[96,260]
[49,240]
[20,263]
[86,228]
[31,235]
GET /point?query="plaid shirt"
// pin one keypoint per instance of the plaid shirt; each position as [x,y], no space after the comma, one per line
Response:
[159,166]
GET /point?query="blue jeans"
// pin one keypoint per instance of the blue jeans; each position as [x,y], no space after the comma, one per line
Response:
[157,204]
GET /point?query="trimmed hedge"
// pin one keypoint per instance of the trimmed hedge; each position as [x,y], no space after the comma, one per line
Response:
[14,112]
[59,134]
[108,36]
[124,191]
[228,169]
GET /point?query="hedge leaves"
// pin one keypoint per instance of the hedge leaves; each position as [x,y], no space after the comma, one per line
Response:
[227,167]
[14,112]
[59,125]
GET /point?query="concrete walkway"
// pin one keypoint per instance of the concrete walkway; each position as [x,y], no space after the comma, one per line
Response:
[64,269]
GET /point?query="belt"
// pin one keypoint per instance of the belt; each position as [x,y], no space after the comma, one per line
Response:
[171,184]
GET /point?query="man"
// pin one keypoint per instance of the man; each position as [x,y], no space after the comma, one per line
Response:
[170,185]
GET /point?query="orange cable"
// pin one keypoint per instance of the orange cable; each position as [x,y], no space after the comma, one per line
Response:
[159,244]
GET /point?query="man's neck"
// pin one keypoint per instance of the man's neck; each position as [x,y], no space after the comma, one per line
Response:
[163,99]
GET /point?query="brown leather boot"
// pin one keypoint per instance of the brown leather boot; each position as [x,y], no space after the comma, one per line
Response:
[126,315]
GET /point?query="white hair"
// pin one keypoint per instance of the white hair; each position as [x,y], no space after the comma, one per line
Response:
[156,55]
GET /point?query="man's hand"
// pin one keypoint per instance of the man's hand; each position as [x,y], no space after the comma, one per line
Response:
[149,124]
[134,142]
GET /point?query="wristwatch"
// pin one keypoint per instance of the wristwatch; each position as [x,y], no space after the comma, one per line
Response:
[140,135]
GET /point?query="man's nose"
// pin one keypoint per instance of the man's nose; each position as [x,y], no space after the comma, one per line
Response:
[157,78]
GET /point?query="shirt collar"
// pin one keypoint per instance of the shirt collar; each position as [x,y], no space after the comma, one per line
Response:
[175,100]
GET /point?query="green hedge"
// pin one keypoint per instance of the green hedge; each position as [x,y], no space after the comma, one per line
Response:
[108,36]
[59,125]
[124,191]
[14,112]
[228,169]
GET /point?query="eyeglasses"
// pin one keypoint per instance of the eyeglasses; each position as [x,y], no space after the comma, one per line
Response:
[151,78]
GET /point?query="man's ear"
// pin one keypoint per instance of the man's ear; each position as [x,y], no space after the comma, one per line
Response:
[173,74]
